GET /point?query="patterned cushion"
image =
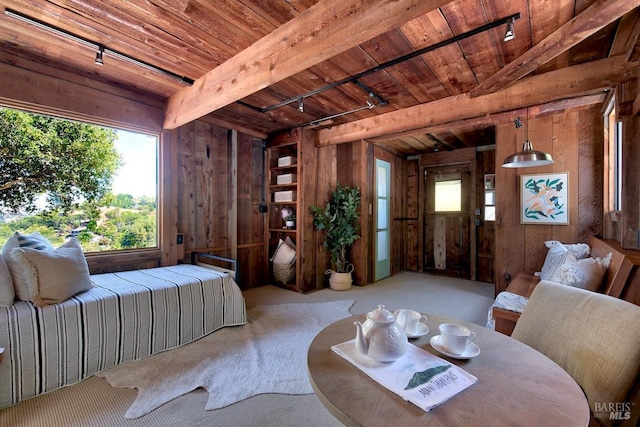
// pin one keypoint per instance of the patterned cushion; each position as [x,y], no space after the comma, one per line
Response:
[556,256]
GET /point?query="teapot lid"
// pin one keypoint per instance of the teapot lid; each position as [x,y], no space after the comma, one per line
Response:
[381,314]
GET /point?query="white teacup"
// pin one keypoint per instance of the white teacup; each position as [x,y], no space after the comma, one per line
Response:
[456,338]
[410,320]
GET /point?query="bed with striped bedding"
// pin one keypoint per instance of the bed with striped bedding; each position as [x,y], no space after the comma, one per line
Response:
[125,316]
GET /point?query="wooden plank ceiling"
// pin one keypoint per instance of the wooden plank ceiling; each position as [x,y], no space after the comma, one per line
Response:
[240,59]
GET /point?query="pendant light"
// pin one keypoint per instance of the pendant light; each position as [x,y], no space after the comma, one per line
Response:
[528,157]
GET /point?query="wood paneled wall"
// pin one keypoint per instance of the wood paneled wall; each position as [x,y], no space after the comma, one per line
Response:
[353,164]
[575,140]
[218,187]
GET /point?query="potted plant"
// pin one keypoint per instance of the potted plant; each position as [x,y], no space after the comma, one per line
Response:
[340,219]
[289,217]
[290,221]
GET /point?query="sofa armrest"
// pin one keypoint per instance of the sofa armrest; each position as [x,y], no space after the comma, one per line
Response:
[522,284]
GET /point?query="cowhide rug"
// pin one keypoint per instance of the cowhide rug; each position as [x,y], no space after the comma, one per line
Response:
[266,355]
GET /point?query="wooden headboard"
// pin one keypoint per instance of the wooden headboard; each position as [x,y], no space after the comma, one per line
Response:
[619,269]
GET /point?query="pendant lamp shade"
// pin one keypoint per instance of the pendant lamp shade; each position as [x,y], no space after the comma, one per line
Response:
[528,157]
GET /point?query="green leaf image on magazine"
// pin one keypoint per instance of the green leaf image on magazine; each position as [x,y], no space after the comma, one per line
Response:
[423,377]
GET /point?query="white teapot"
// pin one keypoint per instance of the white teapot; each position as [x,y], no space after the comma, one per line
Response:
[380,337]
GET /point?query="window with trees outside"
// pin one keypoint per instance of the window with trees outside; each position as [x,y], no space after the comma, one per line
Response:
[64,178]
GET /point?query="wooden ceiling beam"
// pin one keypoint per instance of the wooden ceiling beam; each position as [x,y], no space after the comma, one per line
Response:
[326,29]
[494,119]
[627,34]
[594,18]
[579,80]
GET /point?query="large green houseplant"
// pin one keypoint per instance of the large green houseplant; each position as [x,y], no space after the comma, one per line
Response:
[340,219]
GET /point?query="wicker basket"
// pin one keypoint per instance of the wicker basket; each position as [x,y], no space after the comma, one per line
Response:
[284,273]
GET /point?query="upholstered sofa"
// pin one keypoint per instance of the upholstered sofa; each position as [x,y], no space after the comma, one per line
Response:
[509,304]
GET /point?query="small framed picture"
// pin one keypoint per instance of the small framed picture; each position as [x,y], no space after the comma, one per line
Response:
[544,199]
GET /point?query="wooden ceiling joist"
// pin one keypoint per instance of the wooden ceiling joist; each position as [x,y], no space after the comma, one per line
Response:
[594,18]
[326,29]
[579,80]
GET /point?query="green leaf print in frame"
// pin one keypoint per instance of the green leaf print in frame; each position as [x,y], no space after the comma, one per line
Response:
[544,199]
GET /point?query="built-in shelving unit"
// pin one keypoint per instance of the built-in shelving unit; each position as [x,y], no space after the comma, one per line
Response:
[279,199]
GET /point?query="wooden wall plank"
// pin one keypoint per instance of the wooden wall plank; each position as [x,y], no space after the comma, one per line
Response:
[510,236]
[307,189]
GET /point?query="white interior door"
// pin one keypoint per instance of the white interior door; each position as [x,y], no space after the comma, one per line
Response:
[383,219]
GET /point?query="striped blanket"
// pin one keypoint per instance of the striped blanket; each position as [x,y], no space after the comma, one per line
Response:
[125,316]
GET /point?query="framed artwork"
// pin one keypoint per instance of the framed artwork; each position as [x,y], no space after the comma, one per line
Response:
[544,199]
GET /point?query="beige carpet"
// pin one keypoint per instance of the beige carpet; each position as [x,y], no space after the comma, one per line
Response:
[94,403]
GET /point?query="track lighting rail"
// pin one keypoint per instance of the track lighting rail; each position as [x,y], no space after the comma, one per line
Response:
[100,49]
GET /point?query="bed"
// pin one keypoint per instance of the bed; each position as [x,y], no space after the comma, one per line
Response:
[123,317]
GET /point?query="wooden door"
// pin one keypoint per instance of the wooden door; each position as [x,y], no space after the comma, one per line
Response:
[447,221]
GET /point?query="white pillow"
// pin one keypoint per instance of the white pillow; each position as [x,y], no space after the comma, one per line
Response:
[284,254]
[54,276]
[7,294]
[34,241]
[556,256]
[586,273]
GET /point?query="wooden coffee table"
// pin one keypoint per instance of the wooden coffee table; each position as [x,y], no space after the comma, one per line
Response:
[517,385]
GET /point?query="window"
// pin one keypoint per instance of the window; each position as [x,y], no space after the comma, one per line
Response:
[448,195]
[124,216]
[489,197]
[613,159]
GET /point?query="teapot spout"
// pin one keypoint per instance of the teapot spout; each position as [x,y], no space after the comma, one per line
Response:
[362,344]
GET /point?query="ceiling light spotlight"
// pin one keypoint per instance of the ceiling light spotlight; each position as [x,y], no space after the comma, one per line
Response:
[510,34]
[300,105]
[99,54]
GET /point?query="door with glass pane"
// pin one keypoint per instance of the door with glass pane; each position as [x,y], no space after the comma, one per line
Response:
[447,221]
[383,219]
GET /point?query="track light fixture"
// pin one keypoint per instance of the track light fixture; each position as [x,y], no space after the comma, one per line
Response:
[510,34]
[300,105]
[99,54]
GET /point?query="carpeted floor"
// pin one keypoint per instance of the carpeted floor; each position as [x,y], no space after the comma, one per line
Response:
[93,402]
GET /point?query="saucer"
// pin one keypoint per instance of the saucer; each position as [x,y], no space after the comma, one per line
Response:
[421,331]
[472,349]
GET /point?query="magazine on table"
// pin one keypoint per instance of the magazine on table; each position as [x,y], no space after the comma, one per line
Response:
[418,376]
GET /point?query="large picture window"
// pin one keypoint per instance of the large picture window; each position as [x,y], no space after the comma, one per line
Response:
[63,178]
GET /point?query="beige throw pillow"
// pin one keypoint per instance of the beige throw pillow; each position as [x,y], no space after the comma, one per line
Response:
[587,273]
[284,254]
[54,276]
[34,241]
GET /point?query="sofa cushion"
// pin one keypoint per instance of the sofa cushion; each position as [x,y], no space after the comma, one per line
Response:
[54,276]
[587,273]
[34,241]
